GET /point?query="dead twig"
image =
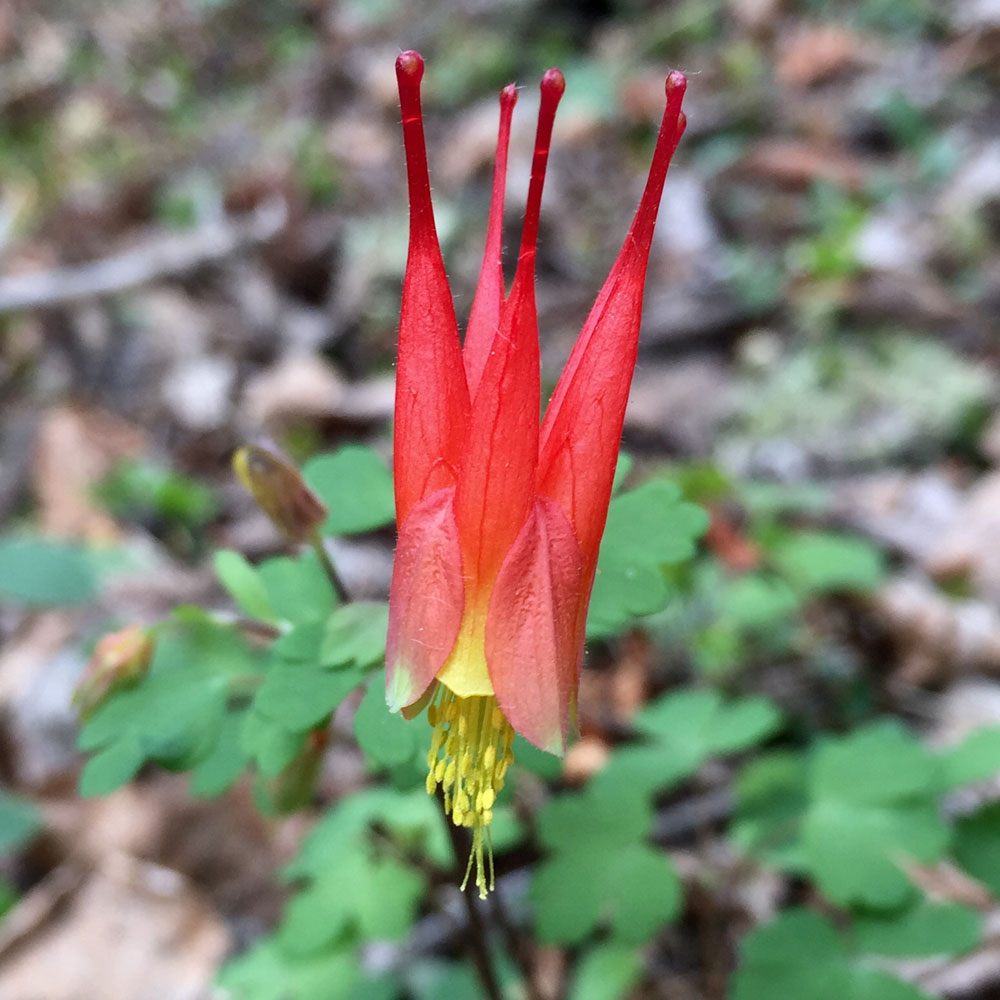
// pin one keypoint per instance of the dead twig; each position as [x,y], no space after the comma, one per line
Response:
[162,257]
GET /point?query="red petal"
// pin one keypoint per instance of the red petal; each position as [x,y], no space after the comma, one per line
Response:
[432,399]
[497,478]
[582,429]
[484,319]
[426,599]
[532,649]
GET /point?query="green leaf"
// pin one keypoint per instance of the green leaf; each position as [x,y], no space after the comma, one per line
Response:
[824,561]
[757,601]
[300,643]
[433,979]
[645,769]
[878,763]
[386,738]
[607,972]
[271,745]
[568,891]
[381,987]
[116,765]
[175,714]
[8,897]
[609,817]
[687,728]
[977,758]
[243,584]
[412,817]
[267,972]
[216,774]
[645,893]
[976,845]
[741,724]
[924,930]
[375,897]
[39,572]
[349,886]
[771,799]
[298,696]
[356,486]
[872,984]
[600,869]
[20,821]
[355,634]
[856,852]
[800,955]
[797,955]
[873,807]
[298,588]
[647,529]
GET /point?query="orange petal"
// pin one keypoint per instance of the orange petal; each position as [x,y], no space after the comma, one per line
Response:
[426,599]
[432,399]
[532,648]
[582,428]
[496,481]
[484,319]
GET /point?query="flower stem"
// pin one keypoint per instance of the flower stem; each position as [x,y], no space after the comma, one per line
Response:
[319,547]
[479,952]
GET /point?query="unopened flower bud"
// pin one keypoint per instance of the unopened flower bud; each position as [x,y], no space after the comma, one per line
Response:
[120,659]
[280,491]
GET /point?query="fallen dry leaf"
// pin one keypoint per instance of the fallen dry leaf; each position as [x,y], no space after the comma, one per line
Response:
[816,53]
[131,929]
[796,164]
[75,447]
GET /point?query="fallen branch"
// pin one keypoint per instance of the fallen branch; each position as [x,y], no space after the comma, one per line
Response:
[158,258]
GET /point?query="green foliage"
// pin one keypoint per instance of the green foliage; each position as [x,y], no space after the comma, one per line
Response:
[312,669]
[871,399]
[731,618]
[38,572]
[628,884]
[356,486]
[924,930]
[846,813]
[386,738]
[267,973]
[606,972]
[648,528]
[850,814]
[801,955]
[602,830]
[353,886]
[977,758]
[141,490]
[20,821]
[815,561]
[680,732]
[176,715]
[976,840]
[8,897]
[872,805]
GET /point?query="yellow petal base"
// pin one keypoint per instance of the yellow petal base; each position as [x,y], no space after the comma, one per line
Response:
[469,756]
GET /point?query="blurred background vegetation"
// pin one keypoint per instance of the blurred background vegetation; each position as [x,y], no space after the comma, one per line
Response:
[202,240]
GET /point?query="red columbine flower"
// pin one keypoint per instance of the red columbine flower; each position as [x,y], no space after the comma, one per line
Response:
[499,519]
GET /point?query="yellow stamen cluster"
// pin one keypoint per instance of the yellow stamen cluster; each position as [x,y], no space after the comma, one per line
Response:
[469,756]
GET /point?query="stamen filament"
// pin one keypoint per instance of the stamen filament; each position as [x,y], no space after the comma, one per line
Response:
[469,755]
